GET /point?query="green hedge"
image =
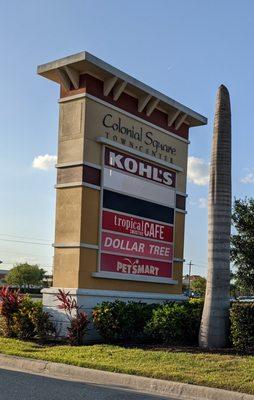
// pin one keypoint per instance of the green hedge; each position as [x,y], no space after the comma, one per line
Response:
[119,321]
[176,323]
[242,326]
[170,323]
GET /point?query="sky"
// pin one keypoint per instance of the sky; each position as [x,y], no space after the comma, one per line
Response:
[183,48]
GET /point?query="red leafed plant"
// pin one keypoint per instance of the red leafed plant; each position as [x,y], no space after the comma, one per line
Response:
[67,303]
[10,301]
[78,319]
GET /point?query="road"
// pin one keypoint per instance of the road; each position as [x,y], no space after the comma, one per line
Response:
[23,386]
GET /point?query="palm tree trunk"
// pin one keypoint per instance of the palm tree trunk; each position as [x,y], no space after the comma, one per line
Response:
[215,318]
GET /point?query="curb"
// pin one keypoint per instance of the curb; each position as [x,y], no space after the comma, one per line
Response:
[131,382]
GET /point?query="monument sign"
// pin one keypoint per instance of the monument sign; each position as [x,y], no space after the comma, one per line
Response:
[121,185]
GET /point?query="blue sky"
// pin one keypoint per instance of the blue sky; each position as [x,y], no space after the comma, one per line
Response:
[185,49]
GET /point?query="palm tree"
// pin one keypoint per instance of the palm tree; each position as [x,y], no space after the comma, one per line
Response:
[215,318]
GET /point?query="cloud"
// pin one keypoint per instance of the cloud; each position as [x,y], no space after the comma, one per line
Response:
[45,162]
[249,178]
[202,202]
[198,171]
[29,260]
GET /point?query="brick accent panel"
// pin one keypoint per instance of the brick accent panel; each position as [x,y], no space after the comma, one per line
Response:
[94,86]
[180,202]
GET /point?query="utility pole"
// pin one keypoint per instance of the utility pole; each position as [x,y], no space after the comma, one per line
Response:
[189,288]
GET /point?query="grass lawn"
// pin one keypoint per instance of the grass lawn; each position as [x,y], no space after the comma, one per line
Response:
[227,371]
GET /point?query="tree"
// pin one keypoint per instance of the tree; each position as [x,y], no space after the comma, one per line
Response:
[215,319]
[25,275]
[198,285]
[242,243]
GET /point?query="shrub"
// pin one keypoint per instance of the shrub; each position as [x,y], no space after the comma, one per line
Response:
[242,326]
[21,317]
[30,321]
[22,325]
[119,321]
[43,326]
[10,301]
[77,318]
[176,323]
[78,328]
[195,306]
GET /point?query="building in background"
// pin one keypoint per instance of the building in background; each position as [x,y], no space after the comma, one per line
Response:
[191,278]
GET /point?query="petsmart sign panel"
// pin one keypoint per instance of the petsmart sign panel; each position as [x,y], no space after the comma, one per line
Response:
[137,220]
[136,266]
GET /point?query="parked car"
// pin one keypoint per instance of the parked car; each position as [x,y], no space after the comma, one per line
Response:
[246,299]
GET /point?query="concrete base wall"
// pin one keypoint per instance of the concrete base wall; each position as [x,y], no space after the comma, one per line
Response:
[88,299]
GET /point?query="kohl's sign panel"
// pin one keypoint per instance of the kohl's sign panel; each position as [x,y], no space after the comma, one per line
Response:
[137,220]
[135,166]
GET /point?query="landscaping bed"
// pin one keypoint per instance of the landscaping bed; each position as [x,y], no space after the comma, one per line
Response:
[219,370]
[151,340]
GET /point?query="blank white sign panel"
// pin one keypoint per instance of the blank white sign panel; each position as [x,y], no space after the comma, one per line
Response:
[133,186]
